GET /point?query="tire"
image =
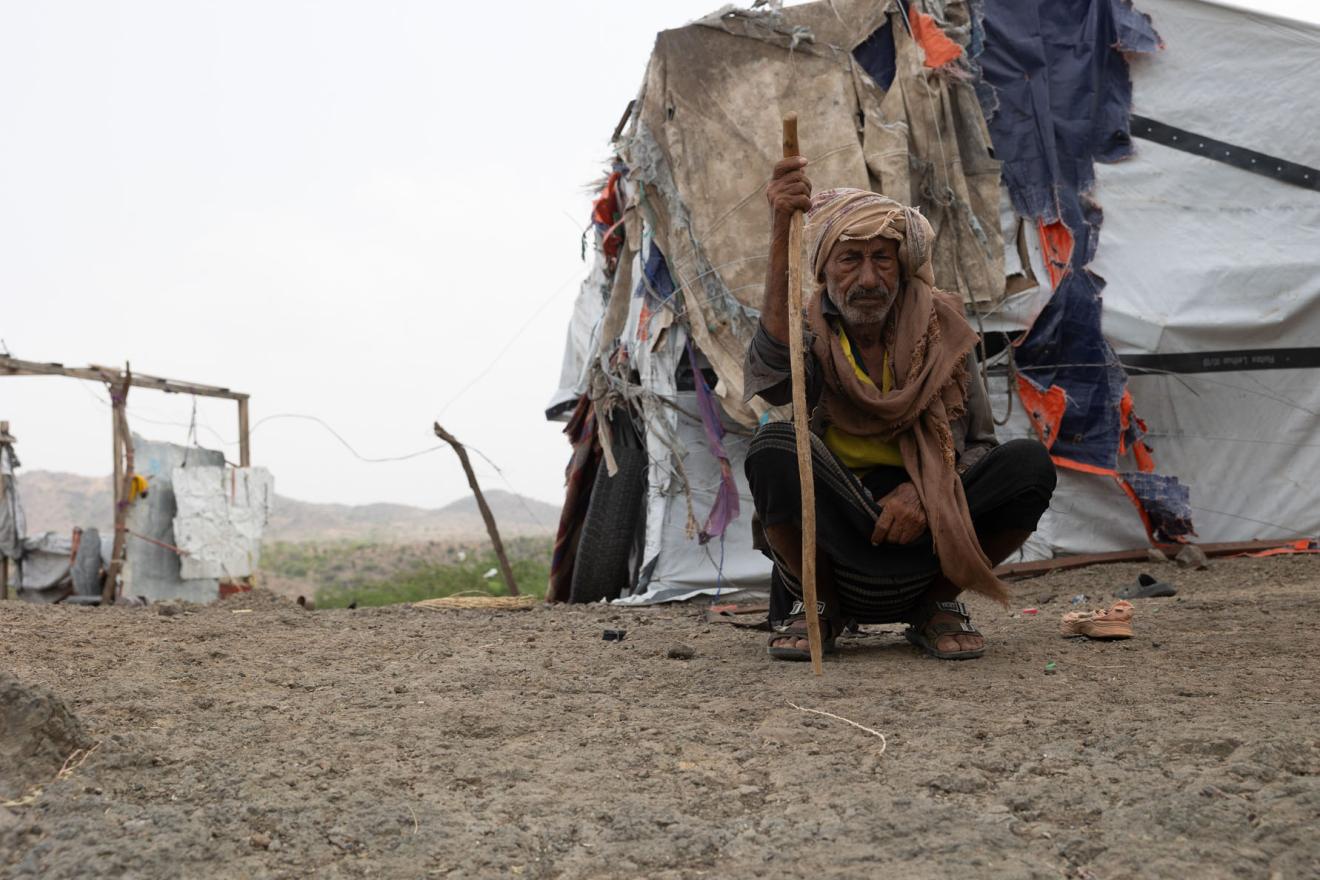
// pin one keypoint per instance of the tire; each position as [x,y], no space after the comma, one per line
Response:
[605,550]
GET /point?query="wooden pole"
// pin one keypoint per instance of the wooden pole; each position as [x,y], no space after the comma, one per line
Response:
[482,506]
[801,420]
[117,443]
[124,473]
[244,445]
[14,367]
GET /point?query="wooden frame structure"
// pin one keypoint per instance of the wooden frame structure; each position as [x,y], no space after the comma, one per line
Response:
[118,382]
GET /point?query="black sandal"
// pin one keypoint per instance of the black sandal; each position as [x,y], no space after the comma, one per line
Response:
[925,634]
[1147,587]
[796,627]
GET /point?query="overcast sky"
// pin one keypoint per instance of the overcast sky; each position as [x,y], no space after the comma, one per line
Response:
[345,208]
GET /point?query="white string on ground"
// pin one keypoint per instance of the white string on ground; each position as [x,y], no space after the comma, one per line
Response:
[884,743]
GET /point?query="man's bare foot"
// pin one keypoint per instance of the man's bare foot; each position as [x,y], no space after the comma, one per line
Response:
[944,630]
[951,642]
[794,643]
[789,640]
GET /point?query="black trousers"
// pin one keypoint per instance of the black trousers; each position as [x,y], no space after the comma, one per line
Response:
[1009,488]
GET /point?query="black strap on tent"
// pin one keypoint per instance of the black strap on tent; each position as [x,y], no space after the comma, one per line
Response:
[1239,157]
[1236,361]
[1228,361]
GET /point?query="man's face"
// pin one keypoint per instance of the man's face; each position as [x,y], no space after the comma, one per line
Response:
[862,279]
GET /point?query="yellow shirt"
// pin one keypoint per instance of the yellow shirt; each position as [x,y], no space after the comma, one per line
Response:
[863,453]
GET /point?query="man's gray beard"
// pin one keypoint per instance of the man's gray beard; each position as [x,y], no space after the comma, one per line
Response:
[873,312]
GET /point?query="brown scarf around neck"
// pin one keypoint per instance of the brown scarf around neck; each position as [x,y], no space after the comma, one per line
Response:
[931,340]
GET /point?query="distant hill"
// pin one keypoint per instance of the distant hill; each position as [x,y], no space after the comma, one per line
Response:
[57,502]
[398,523]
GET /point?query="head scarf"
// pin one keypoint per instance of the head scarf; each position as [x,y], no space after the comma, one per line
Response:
[860,215]
[930,343]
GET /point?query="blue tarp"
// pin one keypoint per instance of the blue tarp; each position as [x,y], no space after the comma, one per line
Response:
[1166,502]
[656,278]
[877,54]
[1057,96]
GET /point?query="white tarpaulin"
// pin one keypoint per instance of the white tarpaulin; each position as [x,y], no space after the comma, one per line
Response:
[152,566]
[1203,257]
[222,513]
[680,566]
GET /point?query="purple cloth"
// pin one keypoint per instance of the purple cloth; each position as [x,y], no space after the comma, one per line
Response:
[725,508]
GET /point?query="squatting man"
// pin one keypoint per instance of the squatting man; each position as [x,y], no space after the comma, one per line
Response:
[915,499]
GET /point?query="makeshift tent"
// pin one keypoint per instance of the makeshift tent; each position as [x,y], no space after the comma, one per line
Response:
[1005,121]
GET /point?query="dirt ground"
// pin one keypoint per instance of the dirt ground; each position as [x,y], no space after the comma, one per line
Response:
[255,739]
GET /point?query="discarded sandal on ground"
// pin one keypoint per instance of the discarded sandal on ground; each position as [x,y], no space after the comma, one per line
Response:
[1114,623]
[796,628]
[1147,587]
[925,634]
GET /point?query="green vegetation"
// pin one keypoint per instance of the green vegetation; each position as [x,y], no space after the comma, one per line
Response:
[431,581]
[382,574]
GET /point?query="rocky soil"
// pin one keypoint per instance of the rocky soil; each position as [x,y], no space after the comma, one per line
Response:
[256,739]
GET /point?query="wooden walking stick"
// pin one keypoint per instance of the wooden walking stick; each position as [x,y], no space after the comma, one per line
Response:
[801,420]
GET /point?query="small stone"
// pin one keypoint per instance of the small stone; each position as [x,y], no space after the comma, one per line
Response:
[1155,554]
[343,839]
[259,840]
[960,784]
[680,652]
[1192,556]
[401,689]
[168,609]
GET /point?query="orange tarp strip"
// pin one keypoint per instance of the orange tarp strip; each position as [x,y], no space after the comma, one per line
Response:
[1084,468]
[1140,451]
[1057,243]
[1145,461]
[1302,546]
[939,49]
[1044,409]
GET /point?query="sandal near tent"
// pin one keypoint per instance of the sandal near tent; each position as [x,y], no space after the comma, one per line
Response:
[1115,622]
[1147,587]
[1011,124]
